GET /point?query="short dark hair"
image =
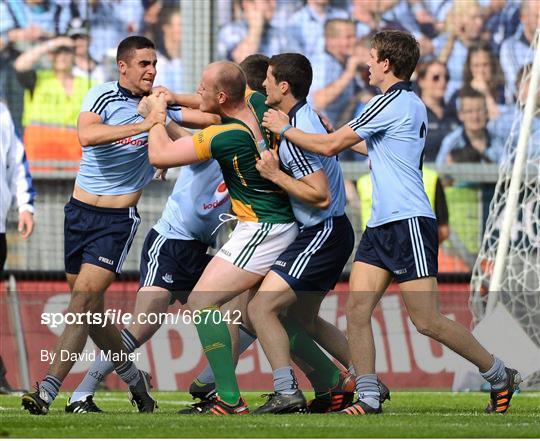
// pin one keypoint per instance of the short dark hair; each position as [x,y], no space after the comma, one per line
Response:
[255,67]
[296,70]
[400,48]
[231,79]
[469,92]
[130,44]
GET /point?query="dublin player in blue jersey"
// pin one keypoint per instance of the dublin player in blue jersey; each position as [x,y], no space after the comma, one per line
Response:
[101,218]
[312,264]
[173,258]
[401,240]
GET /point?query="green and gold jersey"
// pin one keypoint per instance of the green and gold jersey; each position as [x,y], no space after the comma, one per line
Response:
[233,145]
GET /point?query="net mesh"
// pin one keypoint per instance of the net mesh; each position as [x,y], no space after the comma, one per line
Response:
[520,288]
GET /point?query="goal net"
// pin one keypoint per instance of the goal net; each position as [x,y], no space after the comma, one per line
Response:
[507,270]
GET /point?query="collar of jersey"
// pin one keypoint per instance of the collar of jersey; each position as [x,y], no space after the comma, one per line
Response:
[127,93]
[400,85]
[296,108]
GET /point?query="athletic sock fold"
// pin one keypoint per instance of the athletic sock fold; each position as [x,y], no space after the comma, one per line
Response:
[367,387]
[51,385]
[285,381]
[129,373]
[496,375]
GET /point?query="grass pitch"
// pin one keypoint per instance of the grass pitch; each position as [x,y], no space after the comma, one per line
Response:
[408,415]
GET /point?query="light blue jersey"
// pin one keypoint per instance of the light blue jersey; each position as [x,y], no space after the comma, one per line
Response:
[198,198]
[299,163]
[394,126]
[122,166]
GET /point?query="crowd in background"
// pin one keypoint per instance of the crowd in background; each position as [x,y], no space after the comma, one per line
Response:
[472,53]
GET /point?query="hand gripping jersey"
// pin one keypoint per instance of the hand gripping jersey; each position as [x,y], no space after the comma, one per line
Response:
[118,167]
[232,144]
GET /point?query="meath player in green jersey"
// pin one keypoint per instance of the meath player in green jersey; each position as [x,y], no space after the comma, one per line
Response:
[266,223]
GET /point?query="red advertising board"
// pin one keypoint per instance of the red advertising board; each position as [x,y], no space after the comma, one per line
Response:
[405,358]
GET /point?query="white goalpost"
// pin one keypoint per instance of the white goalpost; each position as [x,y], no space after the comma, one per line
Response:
[507,271]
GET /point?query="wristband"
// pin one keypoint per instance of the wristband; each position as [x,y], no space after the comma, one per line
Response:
[284,129]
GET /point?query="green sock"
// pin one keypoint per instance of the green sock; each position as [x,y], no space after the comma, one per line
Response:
[319,384]
[303,347]
[216,343]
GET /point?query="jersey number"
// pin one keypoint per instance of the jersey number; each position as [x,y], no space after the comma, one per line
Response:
[422,135]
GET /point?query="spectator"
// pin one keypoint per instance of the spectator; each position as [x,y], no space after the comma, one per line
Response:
[306,26]
[335,71]
[110,21]
[370,18]
[476,142]
[463,26]
[16,184]
[502,20]
[22,24]
[25,22]
[170,72]
[432,78]
[257,32]
[515,51]
[52,101]
[85,66]
[503,125]
[483,73]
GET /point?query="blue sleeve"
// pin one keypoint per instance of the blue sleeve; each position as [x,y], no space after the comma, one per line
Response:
[175,113]
[375,117]
[96,100]
[297,162]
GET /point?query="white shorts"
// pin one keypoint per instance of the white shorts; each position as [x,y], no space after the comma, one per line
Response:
[255,246]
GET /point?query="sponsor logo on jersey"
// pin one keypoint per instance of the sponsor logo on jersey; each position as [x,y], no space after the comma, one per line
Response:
[221,196]
[135,142]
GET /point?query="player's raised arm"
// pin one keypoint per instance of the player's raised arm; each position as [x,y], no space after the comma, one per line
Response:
[324,144]
[312,189]
[191,116]
[195,119]
[162,151]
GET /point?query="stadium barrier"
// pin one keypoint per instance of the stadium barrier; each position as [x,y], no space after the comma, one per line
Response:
[406,359]
[468,189]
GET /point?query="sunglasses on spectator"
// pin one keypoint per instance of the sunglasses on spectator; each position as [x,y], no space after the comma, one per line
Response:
[438,77]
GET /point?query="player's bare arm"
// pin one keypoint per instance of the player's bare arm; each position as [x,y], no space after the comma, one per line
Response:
[92,131]
[361,148]
[311,189]
[192,117]
[162,151]
[324,144]
[174,130]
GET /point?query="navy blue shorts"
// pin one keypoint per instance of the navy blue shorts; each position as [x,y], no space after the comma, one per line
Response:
[96,235]
[407,248]
[172,264]
[315,260]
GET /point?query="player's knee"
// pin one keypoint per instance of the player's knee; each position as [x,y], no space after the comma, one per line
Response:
[82,302]
[428,325]
[358,309]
